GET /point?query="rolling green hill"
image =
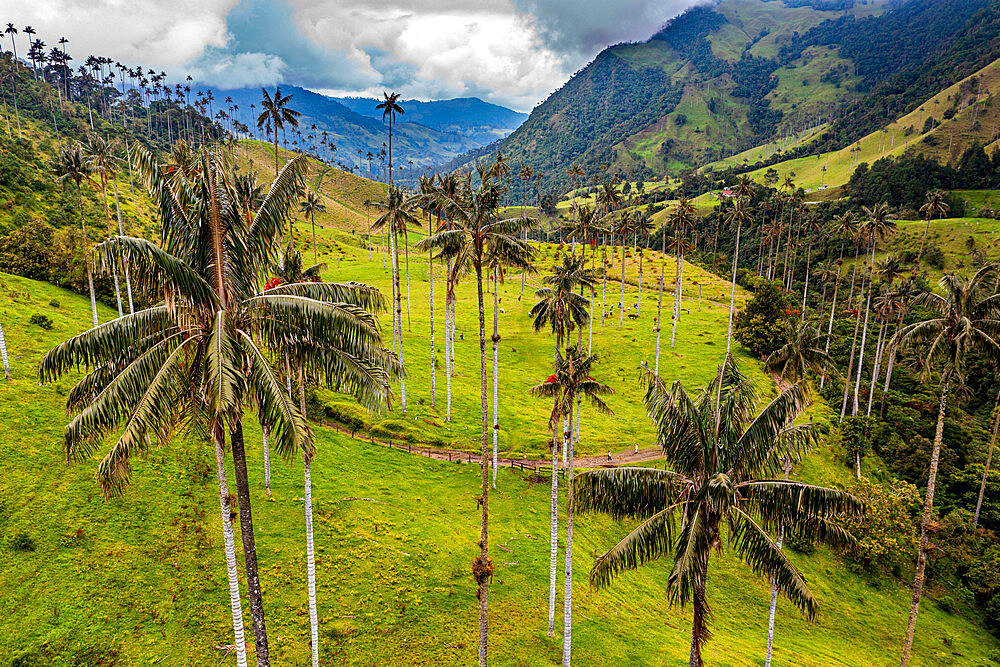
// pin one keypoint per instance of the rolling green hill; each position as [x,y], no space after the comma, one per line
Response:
[741,74]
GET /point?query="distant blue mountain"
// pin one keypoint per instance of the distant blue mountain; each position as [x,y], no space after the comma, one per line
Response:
[469,116]
[428,133]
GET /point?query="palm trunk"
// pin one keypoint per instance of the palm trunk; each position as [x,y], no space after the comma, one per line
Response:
[638,305]
[854,343]
[923,240]
[774,585]
[230,547]
[121,232]
[267,461]
[877,366]
[310,552]
[888,376]
[568,581]
[249,546]
[554,522]
[677,303]
[86,250]
[604,281]
[699,622]
[496,403]
[394,252]
[406,251]
[925,522]
[114,267]
[805,290]
[864,333]
[448,344]
[732,296]
[430,274]
[485,566]
[986,471]
[621,304]
[659,305]
[3,353]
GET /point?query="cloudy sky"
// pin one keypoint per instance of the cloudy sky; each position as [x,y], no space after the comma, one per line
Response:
[512,52]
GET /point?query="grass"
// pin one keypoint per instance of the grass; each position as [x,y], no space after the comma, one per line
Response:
[140,579]
[945,142]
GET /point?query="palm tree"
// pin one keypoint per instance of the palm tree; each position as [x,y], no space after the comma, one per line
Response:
[804,351]
[562,310]
[721,478]
[389,108]
[398,214]
[276,112]
[986,469]
[101,159]
[811,225]
[71,165]
[480,238]
[964,326]
[571,381]
[310,206]
[736,216]
[622,225]
[877,226]
[679,218]
[934,205]
[642,225]
[194,356]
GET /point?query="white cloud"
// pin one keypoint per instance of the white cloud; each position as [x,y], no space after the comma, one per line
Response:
[149,32]
[239,70]
[512,52]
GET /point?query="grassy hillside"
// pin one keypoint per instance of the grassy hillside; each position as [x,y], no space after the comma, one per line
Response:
[140,580]
[976,117]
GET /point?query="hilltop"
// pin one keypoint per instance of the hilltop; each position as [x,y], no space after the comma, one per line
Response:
[723,79]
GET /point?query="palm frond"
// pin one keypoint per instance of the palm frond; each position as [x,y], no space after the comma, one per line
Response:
[647,542]
[625,492]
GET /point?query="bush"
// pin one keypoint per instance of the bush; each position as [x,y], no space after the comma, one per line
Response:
[934,256]
[22,542]
[54,303]
[44,321]
[760,326]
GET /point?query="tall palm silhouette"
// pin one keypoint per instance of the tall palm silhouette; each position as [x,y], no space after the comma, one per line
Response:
[720,475]
[478,239]
[390,108]
[101,160]
[71,166]
[275,113]
[309,207]
[964,324]
[562,310]
[737,216]
[201,354]
[571,381]
[934,205]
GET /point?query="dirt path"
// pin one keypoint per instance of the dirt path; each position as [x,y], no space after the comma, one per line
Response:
[627,457]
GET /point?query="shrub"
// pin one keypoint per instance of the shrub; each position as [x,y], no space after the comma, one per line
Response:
[760,326]
[935,257]
[44,321]
[54,303]
[22,542]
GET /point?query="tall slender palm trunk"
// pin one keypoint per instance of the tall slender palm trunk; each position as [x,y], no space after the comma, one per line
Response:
[638,304]
[986,470]
[86,249]
[659,305]
[310,551]
[805,289]
[239,640]
[3,354]
[699,621]
[732,295]
[925,523]
[621,304]
[568,580]
[448,344]
[430,275]
[114,267]
[121,232]
[604,281]
[496,402]
[483,565]
[774,586]
[854,344]
[864,331]
[394,257]
[877,365]
[554,522]
[249,545]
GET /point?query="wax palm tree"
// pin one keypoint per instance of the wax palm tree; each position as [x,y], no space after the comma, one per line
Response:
[846,227]
[571,381]
[737,216]
[965,325]
[480,238]
[935,204]
[679,218]
[623,226]
[389,108]
[397,215]
[310,206]
[811,225]
[642,226]
[71,166]
[276,112]
[876,226]
[804,351]
[102,160]
[720,484]
[194,358]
